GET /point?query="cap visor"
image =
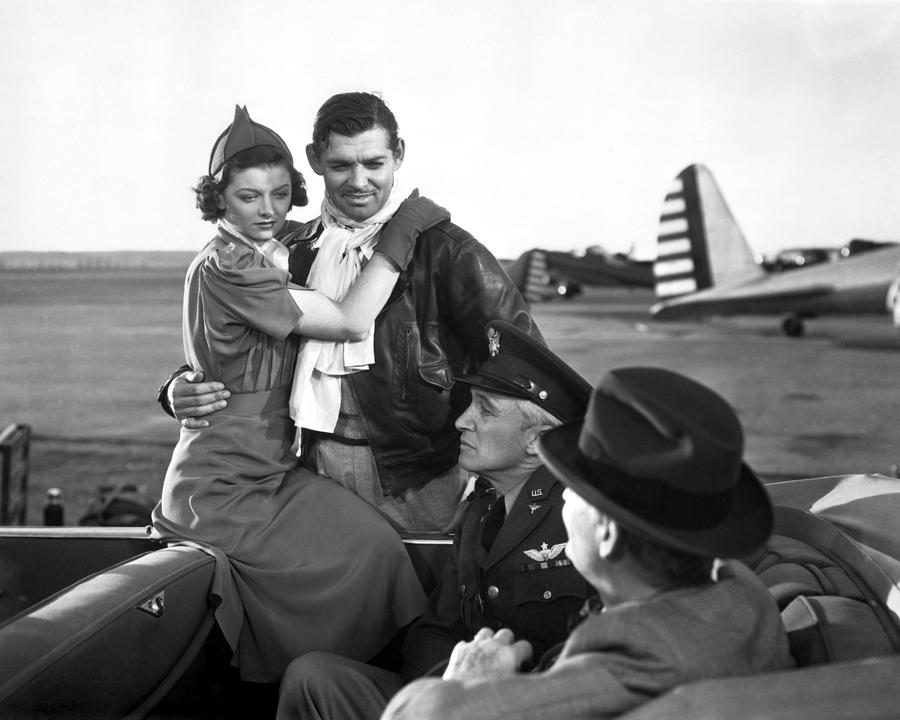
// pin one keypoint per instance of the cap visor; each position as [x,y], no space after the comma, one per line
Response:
[493,384]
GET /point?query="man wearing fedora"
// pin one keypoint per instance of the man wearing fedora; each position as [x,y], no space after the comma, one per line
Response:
[508,567]
[656,496]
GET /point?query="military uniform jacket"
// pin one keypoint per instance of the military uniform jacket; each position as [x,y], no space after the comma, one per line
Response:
[525,582]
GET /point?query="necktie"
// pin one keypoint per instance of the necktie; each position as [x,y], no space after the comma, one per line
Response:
[493,521]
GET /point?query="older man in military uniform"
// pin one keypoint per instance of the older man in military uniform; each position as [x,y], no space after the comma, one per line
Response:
[657,495]
[507,568]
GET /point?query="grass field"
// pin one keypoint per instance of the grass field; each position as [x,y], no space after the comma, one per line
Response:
[83,352]
[81,356]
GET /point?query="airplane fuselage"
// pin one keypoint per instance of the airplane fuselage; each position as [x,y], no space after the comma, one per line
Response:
[856,285]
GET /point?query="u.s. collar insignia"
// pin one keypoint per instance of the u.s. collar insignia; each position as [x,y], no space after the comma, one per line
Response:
[493,341]
[545,553]
[537,492]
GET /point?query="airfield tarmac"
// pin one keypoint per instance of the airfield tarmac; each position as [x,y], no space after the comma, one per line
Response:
[823,404]
[81,356]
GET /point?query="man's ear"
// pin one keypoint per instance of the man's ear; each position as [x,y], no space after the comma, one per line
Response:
[313,159]
[607,536]
[533,435]
[400,154]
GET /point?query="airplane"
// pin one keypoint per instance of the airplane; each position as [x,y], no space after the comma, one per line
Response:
[705,267]
[861,245]
[545,274]
[796,258]
[800,257]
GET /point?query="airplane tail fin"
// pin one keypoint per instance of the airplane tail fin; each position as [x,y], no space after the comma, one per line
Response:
[699,244]
[529,273]
[535,276]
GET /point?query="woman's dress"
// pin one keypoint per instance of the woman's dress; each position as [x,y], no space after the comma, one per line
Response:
[302,563]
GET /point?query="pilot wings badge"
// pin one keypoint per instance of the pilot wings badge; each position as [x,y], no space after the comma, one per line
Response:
[545,553]
[493,341]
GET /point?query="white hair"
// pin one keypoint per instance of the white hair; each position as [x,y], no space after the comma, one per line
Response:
[534,415]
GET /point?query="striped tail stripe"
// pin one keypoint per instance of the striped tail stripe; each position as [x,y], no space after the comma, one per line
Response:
[535,276]
[674,267]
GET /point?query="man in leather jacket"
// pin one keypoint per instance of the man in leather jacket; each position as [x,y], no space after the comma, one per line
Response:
[395,443]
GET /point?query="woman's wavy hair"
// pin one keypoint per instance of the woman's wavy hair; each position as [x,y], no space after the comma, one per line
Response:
[208,189]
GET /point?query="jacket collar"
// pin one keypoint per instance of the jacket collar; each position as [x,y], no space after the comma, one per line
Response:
[528,511]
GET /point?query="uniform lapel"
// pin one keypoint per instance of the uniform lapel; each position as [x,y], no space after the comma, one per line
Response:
[528,511]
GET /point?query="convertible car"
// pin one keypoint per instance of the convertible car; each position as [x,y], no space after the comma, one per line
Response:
[105,623]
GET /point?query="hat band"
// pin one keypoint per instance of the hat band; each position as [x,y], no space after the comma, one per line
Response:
[656,500]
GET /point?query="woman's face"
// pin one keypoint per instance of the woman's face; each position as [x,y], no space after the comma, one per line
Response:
[257,200]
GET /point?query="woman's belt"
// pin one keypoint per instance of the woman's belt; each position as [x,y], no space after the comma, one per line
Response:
[316,435]
[257,403]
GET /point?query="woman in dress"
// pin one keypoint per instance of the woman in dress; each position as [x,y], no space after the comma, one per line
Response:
[302,563]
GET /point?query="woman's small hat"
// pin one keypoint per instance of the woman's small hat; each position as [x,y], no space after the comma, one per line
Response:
[521,365]
[243,133]
[662,454]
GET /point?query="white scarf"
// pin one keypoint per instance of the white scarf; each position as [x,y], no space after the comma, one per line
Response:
[276,253]
[316,391]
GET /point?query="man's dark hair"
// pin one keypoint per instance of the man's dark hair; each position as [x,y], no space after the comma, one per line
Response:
[661,566]
[353,113]
[208,188]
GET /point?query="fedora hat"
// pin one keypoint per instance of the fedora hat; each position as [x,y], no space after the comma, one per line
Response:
[243,133]
[662,454]
[521,365]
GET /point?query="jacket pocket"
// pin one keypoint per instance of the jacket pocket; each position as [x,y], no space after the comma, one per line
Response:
[546,586]
[546,604]
[423,378]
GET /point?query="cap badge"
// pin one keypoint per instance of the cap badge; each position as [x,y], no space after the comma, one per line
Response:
[493,341]
[545,553]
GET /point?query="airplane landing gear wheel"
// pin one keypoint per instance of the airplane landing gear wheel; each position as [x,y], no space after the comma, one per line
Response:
[792,326]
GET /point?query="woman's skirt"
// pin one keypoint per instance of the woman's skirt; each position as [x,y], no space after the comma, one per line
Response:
[302,563]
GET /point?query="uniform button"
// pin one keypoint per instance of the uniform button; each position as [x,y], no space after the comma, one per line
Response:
[462,589]
[493,591]
[547,594]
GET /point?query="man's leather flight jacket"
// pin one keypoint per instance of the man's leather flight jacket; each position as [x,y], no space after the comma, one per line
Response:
[430,332]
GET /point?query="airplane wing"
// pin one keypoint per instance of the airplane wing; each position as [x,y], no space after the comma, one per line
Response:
[539,273]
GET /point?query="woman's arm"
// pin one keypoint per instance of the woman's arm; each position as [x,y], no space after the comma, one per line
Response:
[352,317]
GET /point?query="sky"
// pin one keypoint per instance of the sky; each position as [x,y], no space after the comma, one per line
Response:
[537,124]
